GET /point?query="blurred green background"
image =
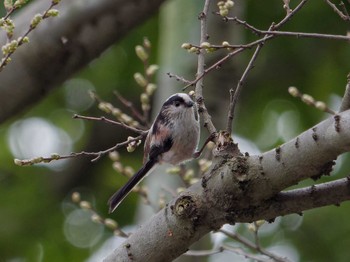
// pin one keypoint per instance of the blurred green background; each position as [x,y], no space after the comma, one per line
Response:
[38,220]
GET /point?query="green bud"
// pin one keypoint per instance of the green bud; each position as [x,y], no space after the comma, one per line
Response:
[25,39]
[210,50]
[18,162]
[76,197]
[110,223]
[147,43]
[85,205]
[52,13]
[307,99]
[55,2]
[114,156]
[252,227]
[225,44]
[140,79]
[193,49]
[129,171]
[293,91]
[224,12]
[96,218]
[19,3]
[220,3]
[186,46]
[205,45]
[150,88]
[229,4]
[130,148]
[193,180]
[259,223]
[8,4]
[116,112]
[152,69]
[118,167]
[106,107]
[180,190]
[37,160]
[144,98]
[321,106]
[175,170]
[55,156]
[145,107]
[36,20]
[189,175]
[141,53]
[125,118]
[134,123]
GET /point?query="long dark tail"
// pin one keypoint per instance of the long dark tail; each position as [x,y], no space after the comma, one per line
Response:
[118,196]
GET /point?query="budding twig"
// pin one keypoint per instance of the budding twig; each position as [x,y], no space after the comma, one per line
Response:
[253,246]
[106,120]
[310,101]
[343,16]
[97,218]
[239,48]
[96,155]
[234,93]
[200,71]
[129,105]
[9,48]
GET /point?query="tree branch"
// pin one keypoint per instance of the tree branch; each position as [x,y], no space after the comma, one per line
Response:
[66,43]
[299,200]
[200,71]
[245,189]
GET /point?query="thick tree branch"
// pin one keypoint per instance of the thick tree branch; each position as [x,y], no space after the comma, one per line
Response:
[60,47]
[245,189]
[299,200]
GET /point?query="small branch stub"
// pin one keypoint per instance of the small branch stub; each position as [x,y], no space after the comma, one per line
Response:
[186,209]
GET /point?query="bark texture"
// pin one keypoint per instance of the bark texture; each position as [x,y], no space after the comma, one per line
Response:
[245,189]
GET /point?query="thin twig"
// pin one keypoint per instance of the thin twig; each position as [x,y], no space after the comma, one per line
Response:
[96,217]
[106,120]
[305,35]
[21,39]
[285,33]
[340,13]
[345,104]
[218,64]
[239,251]
[236,250]
[200,71]
[247,243]
[256,236]
[345,11]
[129,105]
[178,78]
[241,48]
[97,155]
[290,15]
[234,94]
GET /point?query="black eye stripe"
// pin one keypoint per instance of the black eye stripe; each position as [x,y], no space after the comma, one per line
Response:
[174,100]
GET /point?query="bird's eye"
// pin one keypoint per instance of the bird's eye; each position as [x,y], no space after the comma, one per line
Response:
[177,103]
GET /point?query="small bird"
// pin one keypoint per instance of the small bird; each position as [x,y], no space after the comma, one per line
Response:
[173,138]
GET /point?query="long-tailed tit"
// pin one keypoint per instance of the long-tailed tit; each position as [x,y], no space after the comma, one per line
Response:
[172,138]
